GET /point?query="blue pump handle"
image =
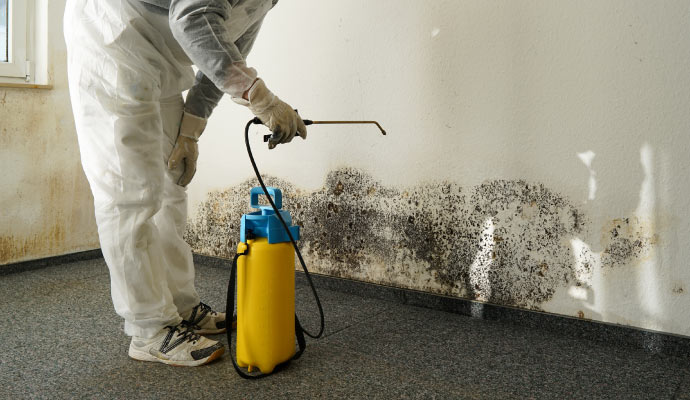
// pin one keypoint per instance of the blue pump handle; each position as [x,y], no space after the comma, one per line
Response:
[274,192]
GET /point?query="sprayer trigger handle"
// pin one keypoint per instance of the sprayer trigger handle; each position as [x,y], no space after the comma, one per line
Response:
[306,122]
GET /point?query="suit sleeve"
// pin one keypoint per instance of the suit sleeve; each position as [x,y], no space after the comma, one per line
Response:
[204,96]
[199,26]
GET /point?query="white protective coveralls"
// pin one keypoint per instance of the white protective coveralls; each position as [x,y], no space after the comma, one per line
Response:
[128,63]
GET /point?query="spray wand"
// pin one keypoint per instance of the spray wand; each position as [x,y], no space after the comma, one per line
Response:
[310,122]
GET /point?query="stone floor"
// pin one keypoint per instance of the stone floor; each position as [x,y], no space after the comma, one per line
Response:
[60,338]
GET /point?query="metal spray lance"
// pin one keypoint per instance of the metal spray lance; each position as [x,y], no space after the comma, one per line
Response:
[310,122]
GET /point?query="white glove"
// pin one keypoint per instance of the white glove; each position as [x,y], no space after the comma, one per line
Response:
[277,115]
[186,148]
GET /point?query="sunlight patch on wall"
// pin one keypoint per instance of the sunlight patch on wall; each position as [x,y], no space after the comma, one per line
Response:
[587,157]
[480,267]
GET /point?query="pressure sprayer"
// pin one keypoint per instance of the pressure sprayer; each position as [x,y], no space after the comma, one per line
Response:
[263,267]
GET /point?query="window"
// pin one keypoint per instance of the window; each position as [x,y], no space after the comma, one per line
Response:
[13,38]
[3,30]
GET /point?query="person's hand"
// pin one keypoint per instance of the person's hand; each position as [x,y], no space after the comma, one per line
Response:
[277,115]
[186,149]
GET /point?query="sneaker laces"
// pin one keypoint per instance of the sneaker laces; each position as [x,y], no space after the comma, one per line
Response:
[198,314]
[188,332]
[206,308]
[185,334]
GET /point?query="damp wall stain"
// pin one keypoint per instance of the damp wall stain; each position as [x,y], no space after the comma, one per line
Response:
[505,241]
[46,208]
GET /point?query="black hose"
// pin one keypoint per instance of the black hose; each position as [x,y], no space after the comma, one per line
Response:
[287,229]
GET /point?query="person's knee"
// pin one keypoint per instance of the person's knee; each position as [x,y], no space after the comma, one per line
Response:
[144,202]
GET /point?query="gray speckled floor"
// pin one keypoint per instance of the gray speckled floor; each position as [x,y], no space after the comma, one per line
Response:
[60,338]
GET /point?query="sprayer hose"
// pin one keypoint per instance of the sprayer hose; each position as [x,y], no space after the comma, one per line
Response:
[287,229]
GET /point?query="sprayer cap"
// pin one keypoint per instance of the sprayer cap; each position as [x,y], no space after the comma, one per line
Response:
[265,222]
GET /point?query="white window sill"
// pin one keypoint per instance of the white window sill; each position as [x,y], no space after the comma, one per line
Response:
[12,82]
[21,84]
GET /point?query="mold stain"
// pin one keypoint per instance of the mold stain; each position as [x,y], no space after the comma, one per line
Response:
[47,208]
[504,241]
[43,242]
[626,239]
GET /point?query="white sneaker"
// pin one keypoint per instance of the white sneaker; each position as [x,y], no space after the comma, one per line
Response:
[204,320]
[176,345]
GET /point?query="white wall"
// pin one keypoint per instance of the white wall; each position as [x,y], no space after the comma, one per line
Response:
[558,128]
[536,156]
[46,208]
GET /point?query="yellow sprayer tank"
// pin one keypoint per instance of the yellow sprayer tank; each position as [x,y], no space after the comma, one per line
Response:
[266,305]
[265,288]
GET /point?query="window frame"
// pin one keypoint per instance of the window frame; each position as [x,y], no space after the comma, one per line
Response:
[18,41]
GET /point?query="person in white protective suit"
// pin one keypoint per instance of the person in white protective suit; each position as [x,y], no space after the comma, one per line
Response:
[128,63]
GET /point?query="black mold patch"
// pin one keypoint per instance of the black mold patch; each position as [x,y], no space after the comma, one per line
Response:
[505,242]
[627,239]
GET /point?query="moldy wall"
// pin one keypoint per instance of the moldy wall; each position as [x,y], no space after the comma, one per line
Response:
[46,208]
[536,153]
